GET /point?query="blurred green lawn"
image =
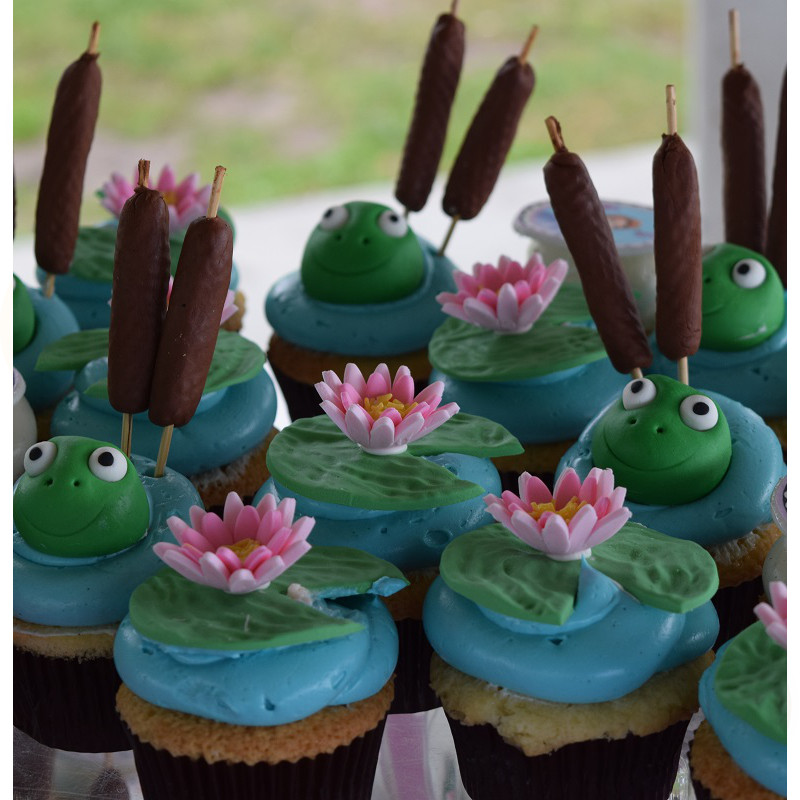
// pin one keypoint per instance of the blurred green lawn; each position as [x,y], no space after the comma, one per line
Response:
[297,95]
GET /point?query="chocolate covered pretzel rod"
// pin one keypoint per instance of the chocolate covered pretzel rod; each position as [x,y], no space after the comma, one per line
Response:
[776,229]
[139,299]
[588,235]
[69,139]
[438,80]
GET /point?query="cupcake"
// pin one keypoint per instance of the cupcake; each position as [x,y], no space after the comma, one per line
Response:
[85,520]
[743,345]
[24,425]
[369,284]
[739,751]
[521,349]
[86,287]
[569,642]
[395,475]
[257,666]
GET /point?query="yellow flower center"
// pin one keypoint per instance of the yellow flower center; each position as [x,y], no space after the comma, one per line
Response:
[375,406]
[566,513]
[170,197]
[244,547]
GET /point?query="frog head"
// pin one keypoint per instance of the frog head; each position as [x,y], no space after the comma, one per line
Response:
[743,301]
[78,498]
[361,253]
[24,316]
[667,443]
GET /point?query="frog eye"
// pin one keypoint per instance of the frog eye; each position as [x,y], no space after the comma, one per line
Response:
[699,412]
[38,457]
[748,273]
[392,224]
[108,464]
[334,218]
[638,393]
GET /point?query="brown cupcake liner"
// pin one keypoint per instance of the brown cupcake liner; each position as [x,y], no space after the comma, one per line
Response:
[734,605]
[640,767]
[348,772]
[412,691]
[68,704]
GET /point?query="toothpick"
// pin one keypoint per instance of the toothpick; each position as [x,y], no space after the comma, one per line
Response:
[144,172]
[450,230]
[554,129]
[636,374]
[94,37]
[672,111]
[526,48]
[49,285]
[163,450]
[733,38]
[454,7]
[216,191]
[127,432]
[683,370]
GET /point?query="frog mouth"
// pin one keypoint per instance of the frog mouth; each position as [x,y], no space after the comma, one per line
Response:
[62,532]
[351,268]
[642,469]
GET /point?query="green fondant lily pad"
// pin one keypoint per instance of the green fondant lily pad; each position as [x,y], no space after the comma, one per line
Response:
[469,435]
[495,569]
[751,681]
[332,572]
[674,575]
[175,611]
[235,360]
[554,343]
[313,458]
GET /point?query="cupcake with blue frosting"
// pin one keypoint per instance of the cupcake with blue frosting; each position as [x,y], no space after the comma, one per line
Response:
[257,665]
[569,642]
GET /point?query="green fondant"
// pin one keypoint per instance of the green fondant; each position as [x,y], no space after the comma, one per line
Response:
[559,340]
[359,263]
[313,458]
[658,570]
[735,318]
[340,572]
[67,511]
[98,389]
[498,571]
[469,435]
[655,455]
[235,359]
[175,611]
[24,316]
[751,681]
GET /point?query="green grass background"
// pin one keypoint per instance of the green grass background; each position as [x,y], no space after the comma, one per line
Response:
[298,95]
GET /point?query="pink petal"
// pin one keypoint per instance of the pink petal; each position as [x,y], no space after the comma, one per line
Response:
[231,561]
[527,528]
[567,486]
[392,414]
[608,526]
[358,425]
[336,415]
[214,571]
[302,528]
[277,538]
[588,490]
[580,528]
[231,510]
[409,428]
[243,581]
[382,434]
[779,595]
[270,569]
[267,503]
[247,524]
[353,376]
[216,531]
[287,508]
[605,483]
[431,394]
[166,180]
[196,514]
[533,490]
[507,306]
[555,535]
[439,417]
[177,526]
[294,552]
[256,557]
[182,564]
[379,382]
[498,511]
[403,385]
[530,310]
[189,185]
[487,297]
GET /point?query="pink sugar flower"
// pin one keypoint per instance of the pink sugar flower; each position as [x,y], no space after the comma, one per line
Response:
[774,616]
[244,551]
[379,414]
[508,298]
[568,522]
[185,200]
[228,310]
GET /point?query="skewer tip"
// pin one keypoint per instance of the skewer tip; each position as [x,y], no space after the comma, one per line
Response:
[672,110]
[526,48]
[94,38]
[144,172]
[216,191]
[554,129]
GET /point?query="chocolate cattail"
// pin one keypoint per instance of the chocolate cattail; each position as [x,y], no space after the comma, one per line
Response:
[776,229]
[436,90]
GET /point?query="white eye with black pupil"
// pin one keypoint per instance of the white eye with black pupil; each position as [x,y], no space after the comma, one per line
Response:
[699,412]
[748,273]
[108,464]
[38,457]
[334,218]
[639,392]
[392,224]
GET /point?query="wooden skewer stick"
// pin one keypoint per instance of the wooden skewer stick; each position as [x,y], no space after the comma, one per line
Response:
[554,129]
[127,433]
[672,111]
[526,48]
[94,37]
[448,235]
[636,374]
[163,450]
[683,370]
[144,172]
[216,191]
[49,285]
[454,7]
[733,38]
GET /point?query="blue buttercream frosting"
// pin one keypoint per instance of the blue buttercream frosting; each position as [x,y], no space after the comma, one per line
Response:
[96,591]
[738,504]
[264,687]
[549,408]
[374,329]
[54,320]
[227,424]
[755,377]
[408,539]
[621,649]
[762,758]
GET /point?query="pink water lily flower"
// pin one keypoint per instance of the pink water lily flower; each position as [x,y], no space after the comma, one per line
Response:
[244,551]
[774,616]
[508,298]
[379,414]
[185,200]
[568,522]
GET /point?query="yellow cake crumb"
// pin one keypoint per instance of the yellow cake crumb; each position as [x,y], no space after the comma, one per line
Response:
[742,560]
[57,641]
